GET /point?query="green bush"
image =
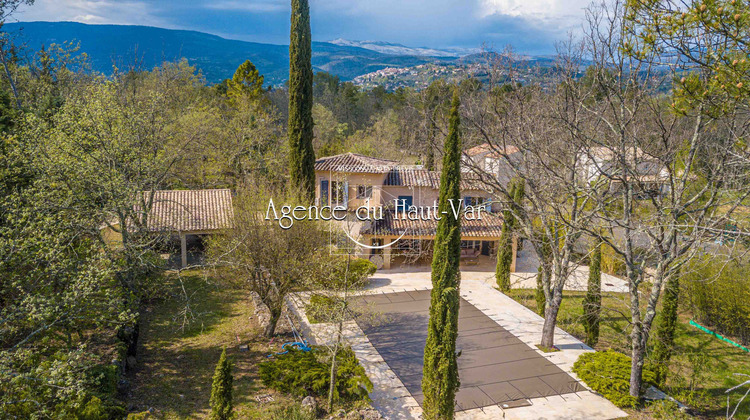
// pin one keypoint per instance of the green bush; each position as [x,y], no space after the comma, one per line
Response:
[321,308]
[608,373]
[304,373]
[352,381]
[718,293]
[360,270]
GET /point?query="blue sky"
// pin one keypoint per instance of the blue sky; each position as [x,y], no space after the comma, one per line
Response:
[531,26]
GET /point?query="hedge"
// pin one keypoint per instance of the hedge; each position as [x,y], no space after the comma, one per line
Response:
[718,293]
[301,373]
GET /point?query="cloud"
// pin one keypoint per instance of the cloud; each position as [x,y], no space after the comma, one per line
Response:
[562,12]
[530,25]
[247,6]
[92,11]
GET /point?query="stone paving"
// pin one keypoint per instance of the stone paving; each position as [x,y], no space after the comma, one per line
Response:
[393,400]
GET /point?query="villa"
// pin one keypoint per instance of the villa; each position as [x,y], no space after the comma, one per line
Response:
[601,162]
[352,180]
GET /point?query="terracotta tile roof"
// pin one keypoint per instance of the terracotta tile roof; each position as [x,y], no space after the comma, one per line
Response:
[489,226]
[494,150]
[409,177]
[352,162]
[191,210]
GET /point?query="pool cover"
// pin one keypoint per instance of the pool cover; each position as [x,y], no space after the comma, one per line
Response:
[495,367]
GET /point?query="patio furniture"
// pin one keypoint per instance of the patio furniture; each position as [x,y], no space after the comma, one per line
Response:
[469,253]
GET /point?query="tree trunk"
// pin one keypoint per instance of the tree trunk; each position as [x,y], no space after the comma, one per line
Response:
[636,366]
[550,321]
[271,326]
[332,385]
[636,337]
[332,380]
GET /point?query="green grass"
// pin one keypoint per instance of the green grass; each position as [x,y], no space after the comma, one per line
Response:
[701,369]
[179,349]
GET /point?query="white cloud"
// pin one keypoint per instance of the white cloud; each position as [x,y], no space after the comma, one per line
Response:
[91,11]
[250,6]
[561,11]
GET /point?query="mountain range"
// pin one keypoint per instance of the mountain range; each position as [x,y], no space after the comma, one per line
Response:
[398,49]
[128,45]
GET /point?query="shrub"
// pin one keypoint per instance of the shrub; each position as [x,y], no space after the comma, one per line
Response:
[608,373]
[360,270]
[718,293]
[302,373]
[352,381]
[320,308]
[221,390]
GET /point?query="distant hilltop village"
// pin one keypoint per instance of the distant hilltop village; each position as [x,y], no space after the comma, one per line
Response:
[419,77]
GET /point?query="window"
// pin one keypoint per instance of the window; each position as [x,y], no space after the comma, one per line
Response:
[364,191]
[338,192]
[403,204]
[474,201]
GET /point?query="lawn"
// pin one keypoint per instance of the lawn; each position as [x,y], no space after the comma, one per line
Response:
[701,369]
[180,343]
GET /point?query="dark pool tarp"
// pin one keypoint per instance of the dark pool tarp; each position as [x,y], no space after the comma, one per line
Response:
[495,367]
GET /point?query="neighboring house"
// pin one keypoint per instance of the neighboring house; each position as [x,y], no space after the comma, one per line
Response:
[491,159]
[353,180]
[651,175]
[190,214]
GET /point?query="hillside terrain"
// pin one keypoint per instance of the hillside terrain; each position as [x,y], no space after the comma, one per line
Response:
[126,46]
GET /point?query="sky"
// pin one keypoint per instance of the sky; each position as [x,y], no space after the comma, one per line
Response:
[530,26]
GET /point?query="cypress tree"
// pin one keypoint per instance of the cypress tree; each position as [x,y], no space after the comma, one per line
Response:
[221,390]
[505,247]
[592,303]
[665,329]
[302,155]
[440,373]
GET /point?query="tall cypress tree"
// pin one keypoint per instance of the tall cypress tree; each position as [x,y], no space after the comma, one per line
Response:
[592,303]
[302,155]
[665,329]
[505,246]
[440,373]
[221,390]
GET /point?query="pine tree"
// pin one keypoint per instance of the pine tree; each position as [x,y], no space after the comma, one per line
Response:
[665,329]
[592,303]
[505,247]
[440,374]
[246,81]
[302,155]
[221,390]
